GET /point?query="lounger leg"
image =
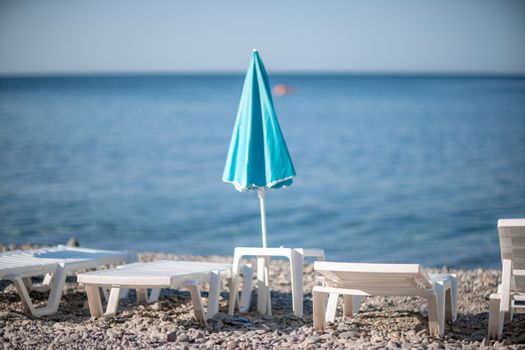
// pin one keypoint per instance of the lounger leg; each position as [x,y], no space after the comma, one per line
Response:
[267,285]
[439,287]
[48,278]
[348,307]
[214,294]
[24,295]
[495,319]
[58,281]
[351,306]
[94,301]
[59,278]
[234,282]
[433,318]
[297,282]
[154,295]
[506,278]
[196,299]
[453,298]
[246,293]
[142,296]
[262,286]
[448,306]
[331,307]
[504,314]
[319,306]
[114,297]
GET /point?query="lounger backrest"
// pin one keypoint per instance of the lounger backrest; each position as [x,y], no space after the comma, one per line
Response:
[16,262]
[512,243]
[374,276]
[24,261]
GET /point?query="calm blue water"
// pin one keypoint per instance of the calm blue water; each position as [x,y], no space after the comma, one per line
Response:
[397,169]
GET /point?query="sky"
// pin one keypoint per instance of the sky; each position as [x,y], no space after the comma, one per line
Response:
[369,36]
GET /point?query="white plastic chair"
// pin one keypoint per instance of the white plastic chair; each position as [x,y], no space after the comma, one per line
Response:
[295,257]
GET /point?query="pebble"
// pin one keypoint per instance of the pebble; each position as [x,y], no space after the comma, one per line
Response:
[111,333]
[157,335]
[183,338]
[66,340]
[232,345]
[312,339]
[376,339]
[346,335]
[171,336]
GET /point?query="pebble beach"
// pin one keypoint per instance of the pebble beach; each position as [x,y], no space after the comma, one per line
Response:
[394,323]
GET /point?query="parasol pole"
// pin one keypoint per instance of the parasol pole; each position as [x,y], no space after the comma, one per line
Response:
[263,264]
[261,195]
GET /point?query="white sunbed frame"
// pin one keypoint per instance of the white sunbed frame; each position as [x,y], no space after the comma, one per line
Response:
[165,274]
[54,263]
[356,280]
[512,287]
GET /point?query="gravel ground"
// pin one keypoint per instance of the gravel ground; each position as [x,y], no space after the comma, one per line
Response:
[397,323]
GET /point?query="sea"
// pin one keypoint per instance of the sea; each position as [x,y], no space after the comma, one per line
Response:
[412,169]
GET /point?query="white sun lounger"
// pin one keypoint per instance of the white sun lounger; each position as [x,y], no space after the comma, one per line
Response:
[164,274]
[356,280]
[512,287]
[55,263]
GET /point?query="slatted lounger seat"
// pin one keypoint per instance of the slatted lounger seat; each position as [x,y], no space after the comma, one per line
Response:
[164,274]
[511,291]
[356,280]
[55,263]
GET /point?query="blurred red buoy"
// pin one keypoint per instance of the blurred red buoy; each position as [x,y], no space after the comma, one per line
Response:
[281,90]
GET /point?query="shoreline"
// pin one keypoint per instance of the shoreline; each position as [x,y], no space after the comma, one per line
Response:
[383,322]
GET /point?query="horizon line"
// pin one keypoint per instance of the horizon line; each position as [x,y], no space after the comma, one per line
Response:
[378,73]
